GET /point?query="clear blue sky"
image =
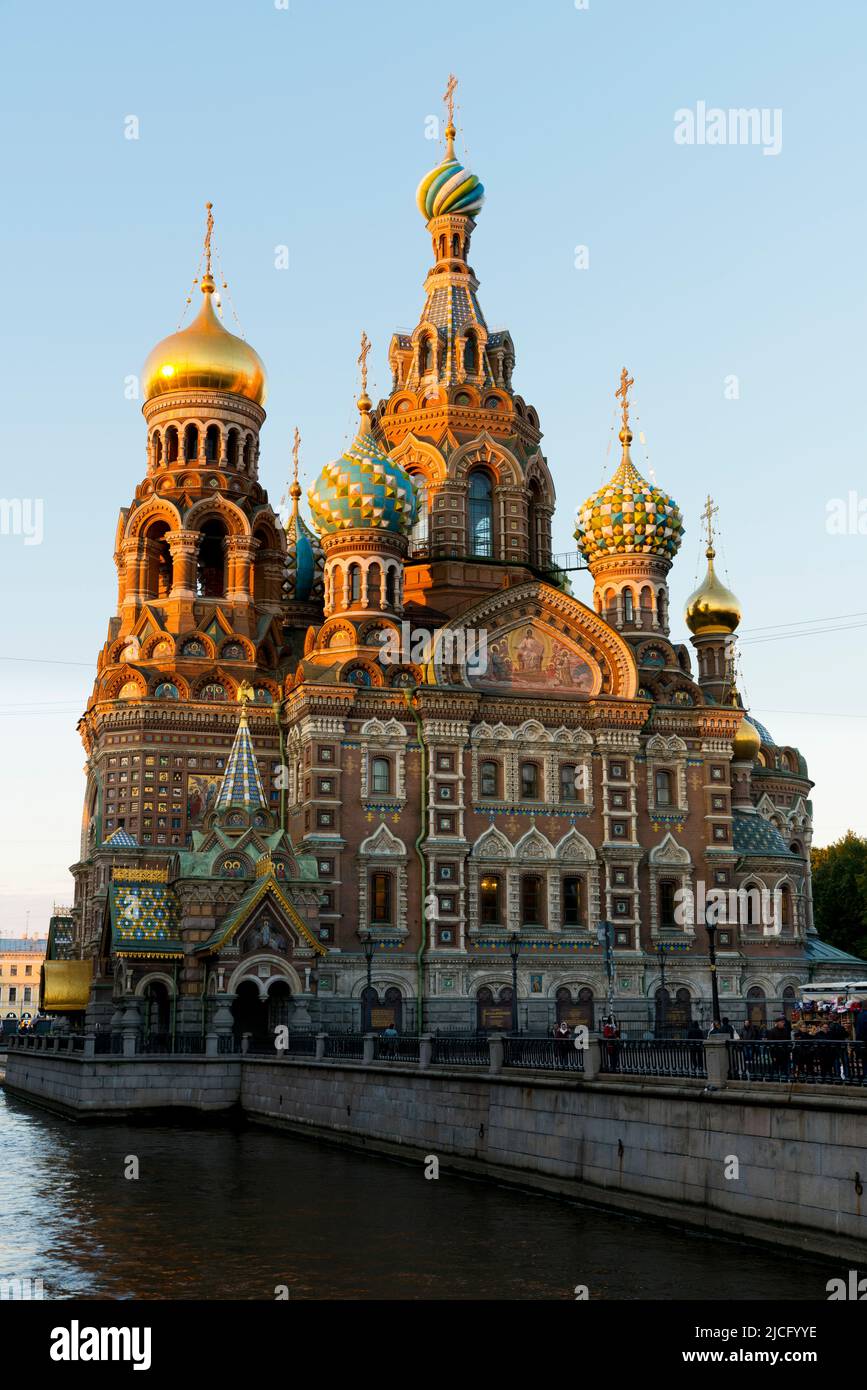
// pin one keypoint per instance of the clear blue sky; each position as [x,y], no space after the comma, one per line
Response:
[306,127]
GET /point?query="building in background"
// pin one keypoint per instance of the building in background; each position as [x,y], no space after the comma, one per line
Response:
[448,773]
[21,960]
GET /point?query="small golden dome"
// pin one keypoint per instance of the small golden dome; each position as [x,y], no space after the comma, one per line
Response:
[746,742]
[205,357]
[712,608]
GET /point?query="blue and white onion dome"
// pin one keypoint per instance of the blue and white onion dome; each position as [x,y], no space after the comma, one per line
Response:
[449,187]
[363,489]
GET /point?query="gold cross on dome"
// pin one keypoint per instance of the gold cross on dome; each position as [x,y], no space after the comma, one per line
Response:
[709,512]
[296,445]
[362,360]
[622,394]
[209,231]
[449,96]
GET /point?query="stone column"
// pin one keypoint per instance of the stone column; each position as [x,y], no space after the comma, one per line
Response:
[321,1039]
[183,546]
[716,1058]
[223,1021]
[240,551]
[369,1042]
[593,1057]
[131,1027]
[425,1050]
[495,1043]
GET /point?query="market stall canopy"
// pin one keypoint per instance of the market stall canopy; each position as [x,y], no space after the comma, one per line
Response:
[66,985]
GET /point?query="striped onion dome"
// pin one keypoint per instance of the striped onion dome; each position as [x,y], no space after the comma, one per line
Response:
[449,187]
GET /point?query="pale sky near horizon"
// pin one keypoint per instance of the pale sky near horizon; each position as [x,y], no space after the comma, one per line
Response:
[307,126]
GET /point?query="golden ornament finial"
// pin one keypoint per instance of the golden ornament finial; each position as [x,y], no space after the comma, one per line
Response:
[207,285]
[449,99]
[364,401]
[295,489]
[622,394]
[708,514]
[246,694]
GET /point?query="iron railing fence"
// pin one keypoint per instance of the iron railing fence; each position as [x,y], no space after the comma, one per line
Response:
[460,1050]
[542,1054]
[168,1045]
[349,1045]
[653,1057]
[400,1049]
[811,1061]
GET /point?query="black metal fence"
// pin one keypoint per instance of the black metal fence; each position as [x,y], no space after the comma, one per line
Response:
[400,1049]
[169,1045]
[542,1054]
[456,1050]
[811,1061]
[653,1057]
[348,1045]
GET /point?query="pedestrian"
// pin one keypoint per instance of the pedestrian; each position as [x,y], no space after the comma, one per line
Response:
[696,1050]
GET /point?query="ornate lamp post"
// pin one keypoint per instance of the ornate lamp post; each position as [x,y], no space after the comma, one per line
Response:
[710,924]
[368,946]
[663,997]
[514,952]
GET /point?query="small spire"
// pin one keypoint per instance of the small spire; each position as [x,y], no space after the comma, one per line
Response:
[295,489]
[622,394]
[449,99]
[364,402]
[207,278]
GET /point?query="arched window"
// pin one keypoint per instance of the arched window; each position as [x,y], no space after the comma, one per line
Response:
[662,784]
[569,782]
[232,448]
[420,533]
[156,449]
[380,775]
[470,351]
[426,359]
[158,569]
[354,583]
[211,564]
[489,779]
[248,454]
[660,607]
[786,914]
[390,590]
[628,607]
[529,781]
[481,513]
[750,905]
[456,245]
[191,442]
[757,1007]
[212,443]
[374,586]
[172,444]
[572,896]
[489,900]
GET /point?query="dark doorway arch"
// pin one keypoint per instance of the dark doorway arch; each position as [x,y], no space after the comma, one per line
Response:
[757,1006]
[279,1005]
[673,1015]
[378,1013]
[494,1014]
[579,1011]
[250,1012]
[156,1008]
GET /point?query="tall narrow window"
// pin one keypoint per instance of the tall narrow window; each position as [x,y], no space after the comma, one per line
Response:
[380,775]
[534,524]
[531,900]
[212,443]
[470,354]
[489,900]
[211,567]
[481,514]
[667,902]
[191,442]
[489,781]
[421,526]
[380,899]
[663,787]
[427,355]
[571,902]
[529,781]
[569,782]
[354,583]
[628,607]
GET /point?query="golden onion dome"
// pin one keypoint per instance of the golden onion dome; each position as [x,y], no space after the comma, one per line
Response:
[205,357]
[712,608]
[746,742]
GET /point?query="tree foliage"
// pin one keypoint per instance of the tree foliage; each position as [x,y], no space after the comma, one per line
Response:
[840,893]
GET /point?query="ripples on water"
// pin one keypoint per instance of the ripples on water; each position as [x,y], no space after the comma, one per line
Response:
[219,1214]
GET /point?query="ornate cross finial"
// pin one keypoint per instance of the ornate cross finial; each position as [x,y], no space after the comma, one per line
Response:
[362,362]
[449,96]
[209,231]
[709,512]
[622,394]
[296,445]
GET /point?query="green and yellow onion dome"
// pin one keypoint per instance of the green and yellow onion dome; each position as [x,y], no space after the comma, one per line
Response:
[712,609]
[449,187]
[205,357]
[363,489]
[629,516]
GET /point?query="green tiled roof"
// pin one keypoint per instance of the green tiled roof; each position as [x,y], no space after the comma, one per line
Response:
[823,953]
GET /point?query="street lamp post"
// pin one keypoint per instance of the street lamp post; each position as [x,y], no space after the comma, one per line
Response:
[663,997]
[710,914]
[368,946]
[514,952]
[603,936]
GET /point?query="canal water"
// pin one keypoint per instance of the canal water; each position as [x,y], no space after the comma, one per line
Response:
[220,1214]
